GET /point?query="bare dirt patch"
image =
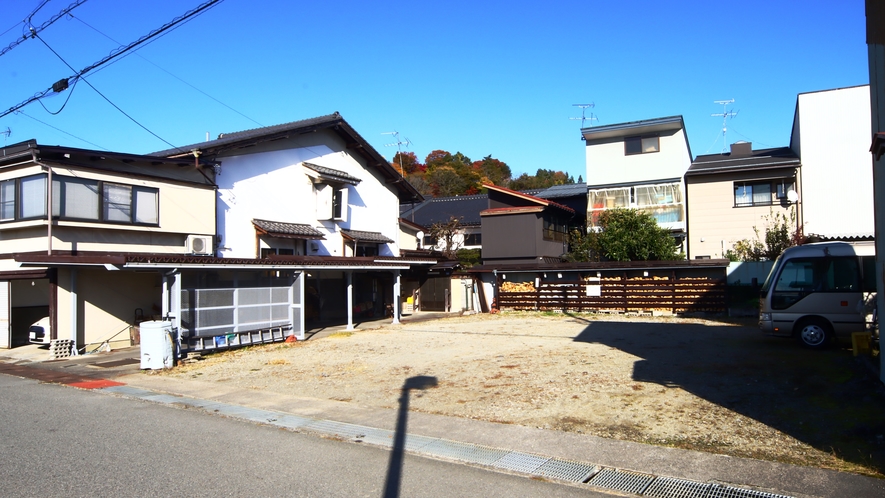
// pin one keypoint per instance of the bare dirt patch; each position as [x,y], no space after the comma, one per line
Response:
[686,383]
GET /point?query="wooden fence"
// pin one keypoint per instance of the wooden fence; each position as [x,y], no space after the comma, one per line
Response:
[656,295]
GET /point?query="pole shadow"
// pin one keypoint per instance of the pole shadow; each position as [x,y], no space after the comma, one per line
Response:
[395,467]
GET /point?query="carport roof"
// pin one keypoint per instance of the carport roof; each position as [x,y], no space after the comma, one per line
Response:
[180,261]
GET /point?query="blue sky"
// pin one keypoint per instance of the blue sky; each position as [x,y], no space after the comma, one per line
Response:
[482,77]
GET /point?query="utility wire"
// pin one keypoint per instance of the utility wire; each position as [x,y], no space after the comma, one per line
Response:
[167,72]
[102,96]
[33,30]
[62,84]
[59,129]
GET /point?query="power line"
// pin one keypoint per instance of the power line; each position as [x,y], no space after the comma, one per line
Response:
[167,72]
[63,84]
[33,30]
[59,129]
[102,96]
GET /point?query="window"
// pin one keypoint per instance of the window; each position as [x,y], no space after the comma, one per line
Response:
[366,250]
[331,202]
[473,239]
[79,199]
[73,198]
[762,193]
[641,145]
[800,277]
[7,200]
[663,201]
[32,203]
[266,252]
[554,229]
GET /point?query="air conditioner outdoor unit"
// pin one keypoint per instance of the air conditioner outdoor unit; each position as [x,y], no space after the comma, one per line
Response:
[199,244]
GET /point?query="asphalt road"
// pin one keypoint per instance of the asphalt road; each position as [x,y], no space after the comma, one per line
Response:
[59,441]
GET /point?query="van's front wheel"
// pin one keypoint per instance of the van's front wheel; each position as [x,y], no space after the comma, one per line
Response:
[814,333]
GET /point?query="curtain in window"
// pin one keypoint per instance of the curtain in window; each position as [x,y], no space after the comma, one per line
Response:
[33,193]
[117,203]
[658,195]
[610,198]
[75,199]
[743,195]
[146,209]
[761,194]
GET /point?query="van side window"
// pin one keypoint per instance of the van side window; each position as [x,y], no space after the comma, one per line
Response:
[800,277]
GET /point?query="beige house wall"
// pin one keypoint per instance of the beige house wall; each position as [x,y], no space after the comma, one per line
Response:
[184,209]
[714,223]
[107,301]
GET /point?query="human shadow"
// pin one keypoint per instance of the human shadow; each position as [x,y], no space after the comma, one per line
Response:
[827,399]
[395,467]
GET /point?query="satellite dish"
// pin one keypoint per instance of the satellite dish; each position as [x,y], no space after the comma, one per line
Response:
[420,235]
[792,196]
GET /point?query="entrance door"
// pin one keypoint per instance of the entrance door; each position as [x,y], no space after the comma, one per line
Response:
[434,294]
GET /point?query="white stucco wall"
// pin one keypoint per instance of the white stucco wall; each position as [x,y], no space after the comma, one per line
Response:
[271,184]
[834,138]
[607,163]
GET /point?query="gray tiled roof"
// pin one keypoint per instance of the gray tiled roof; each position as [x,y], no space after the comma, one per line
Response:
[570,190]
[288,230]
[332,174]
[779,157]
[362,236]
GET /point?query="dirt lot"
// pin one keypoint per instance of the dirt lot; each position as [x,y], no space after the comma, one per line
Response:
[687,383]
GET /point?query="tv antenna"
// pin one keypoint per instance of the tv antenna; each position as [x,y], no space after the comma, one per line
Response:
[8,134]
[399,146]
[725,114]
[584,117]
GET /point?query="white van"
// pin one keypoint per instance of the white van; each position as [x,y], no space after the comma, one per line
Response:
[815,292]
[39,332]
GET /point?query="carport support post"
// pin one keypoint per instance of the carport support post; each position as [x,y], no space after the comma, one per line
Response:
[73,311]
[349,277]
[396,291]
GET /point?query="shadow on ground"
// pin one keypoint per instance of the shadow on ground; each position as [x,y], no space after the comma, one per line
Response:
[827,399]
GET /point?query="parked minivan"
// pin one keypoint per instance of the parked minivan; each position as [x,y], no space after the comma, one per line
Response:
[816,292]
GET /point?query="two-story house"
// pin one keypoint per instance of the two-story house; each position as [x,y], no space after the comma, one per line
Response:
[70,222]
[315,197]
[731,195]
[639,165]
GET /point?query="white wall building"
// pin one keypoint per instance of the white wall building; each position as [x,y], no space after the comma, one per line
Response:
[831,135]
[638,165]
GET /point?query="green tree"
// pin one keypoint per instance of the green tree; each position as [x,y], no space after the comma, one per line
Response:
[633,235]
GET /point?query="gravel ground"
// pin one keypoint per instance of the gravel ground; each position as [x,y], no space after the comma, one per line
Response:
[686,383]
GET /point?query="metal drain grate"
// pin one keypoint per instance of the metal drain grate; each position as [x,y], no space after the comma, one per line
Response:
[566,471]
[520,462]
[340,429]
[292,421]
[668,487]
[622,480]
[470,453]
[719,491]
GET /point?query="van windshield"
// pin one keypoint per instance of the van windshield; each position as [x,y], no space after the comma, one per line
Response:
[774,268]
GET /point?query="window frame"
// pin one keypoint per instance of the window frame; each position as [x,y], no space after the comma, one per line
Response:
[777,192]
[639,144]
[60,197]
